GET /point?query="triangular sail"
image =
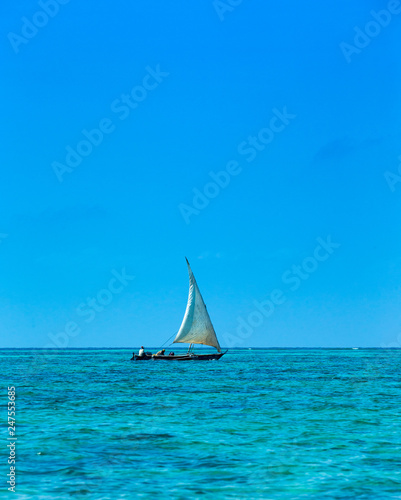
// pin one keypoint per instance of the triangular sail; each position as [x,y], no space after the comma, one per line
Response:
[196,327]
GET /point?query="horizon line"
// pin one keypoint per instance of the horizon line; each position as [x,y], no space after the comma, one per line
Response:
[184,348]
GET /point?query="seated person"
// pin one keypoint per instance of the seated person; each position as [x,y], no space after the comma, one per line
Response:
[171,353]
[160,353]
[141,351]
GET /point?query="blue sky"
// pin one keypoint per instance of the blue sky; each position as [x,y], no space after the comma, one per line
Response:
[213,82]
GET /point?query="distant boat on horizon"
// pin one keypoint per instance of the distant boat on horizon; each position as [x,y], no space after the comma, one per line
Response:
[196,328]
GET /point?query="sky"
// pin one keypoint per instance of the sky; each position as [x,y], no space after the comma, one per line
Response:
[261,140]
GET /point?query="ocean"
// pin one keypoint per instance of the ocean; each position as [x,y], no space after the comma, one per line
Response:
[257,424]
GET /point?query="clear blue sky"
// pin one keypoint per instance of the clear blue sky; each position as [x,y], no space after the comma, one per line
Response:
[213,76]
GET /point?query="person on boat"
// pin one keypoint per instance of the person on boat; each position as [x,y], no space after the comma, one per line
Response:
[171,353]
[160,353]
[141,351]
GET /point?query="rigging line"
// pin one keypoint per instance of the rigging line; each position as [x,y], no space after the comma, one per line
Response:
[174,334]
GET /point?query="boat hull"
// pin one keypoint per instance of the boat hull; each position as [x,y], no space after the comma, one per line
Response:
[145,357]
[184,357]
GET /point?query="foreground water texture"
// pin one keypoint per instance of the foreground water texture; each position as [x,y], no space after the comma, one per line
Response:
[271,424]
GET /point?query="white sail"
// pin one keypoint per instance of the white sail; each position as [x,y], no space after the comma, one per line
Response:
[196,327]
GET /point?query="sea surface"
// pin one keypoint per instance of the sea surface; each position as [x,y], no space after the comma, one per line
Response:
[258,424]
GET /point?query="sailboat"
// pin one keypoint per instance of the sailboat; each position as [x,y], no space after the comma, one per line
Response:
[196,328]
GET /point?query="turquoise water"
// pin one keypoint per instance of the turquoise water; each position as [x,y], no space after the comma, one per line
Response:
[258,424]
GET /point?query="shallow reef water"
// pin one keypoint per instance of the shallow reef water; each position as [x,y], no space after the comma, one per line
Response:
[257,424]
